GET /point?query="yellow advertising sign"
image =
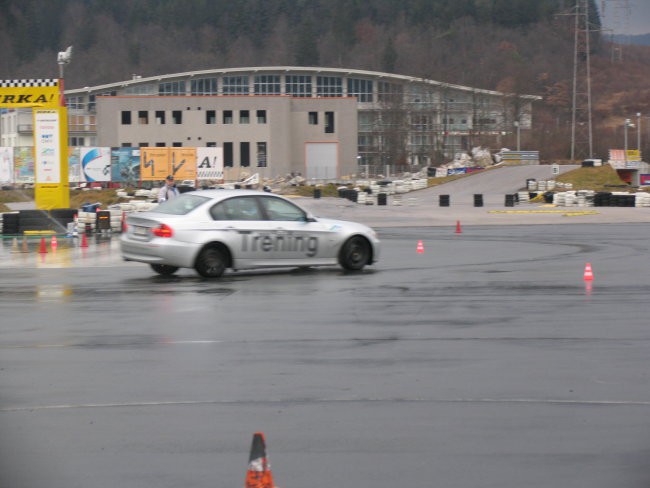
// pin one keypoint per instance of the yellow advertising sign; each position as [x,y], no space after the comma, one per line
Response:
[30,93]
[633,155]
[52,188]
[154,163]
[183,163]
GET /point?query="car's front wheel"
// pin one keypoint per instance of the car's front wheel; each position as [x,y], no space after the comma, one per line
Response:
[211,263]
[163,269]
[355,253]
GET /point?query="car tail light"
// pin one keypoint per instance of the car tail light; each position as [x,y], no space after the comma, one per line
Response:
[163,230]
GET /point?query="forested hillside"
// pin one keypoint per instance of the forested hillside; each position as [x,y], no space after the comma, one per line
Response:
[519,46]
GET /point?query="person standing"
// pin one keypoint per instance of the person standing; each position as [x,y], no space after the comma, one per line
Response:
[168,190]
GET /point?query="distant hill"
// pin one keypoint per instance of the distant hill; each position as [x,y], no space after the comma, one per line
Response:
[640,40]
[513,46]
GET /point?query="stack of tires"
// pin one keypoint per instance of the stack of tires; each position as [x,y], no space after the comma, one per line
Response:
[36,220]
[10,223]
[62,217]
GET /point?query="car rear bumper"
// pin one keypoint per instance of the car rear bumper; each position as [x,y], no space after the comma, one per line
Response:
[158,251]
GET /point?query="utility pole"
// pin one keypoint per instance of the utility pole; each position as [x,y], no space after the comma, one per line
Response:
[581,128]
[617,13]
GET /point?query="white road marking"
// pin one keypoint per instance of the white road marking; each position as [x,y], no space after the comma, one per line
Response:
[303,401]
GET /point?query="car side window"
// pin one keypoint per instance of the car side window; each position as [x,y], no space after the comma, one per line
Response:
[278,209]
[238,208]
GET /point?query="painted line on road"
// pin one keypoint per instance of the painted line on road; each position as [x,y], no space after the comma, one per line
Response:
[564,213]
[302,401]
[165,342]
[108,344]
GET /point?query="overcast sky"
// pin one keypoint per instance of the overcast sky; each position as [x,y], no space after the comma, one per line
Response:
[615,17]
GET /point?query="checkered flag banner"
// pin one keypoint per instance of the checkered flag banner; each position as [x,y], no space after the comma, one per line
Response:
[28,83]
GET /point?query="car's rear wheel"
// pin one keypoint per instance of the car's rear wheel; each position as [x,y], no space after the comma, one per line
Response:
[211,263]
[355,253]
[163,269]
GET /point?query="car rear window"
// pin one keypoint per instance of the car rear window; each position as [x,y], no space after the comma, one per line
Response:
[181,205]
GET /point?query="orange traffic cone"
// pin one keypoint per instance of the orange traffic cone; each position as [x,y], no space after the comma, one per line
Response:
[84,240]
[53,243]
[458,229]
[24,248]
[43,248]
[14,245]
[420,248]
[124,227]
[259,468]
[589,274]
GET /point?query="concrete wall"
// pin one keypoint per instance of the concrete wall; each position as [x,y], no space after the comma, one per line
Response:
[286,131]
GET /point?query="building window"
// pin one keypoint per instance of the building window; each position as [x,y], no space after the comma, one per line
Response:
[227,155]
[210,144]
[329,122]
[160,117]
[245,153]
[267,85]
[126,117]
[389,92]
[177,117]
[126,144]
[329,86]
[227,116]
[235,85]
[422,122]
[210,117]
[298,85]
[261,116]
[74,103]
[143,144]
[171,88]
[140,89]
[143,117]
[177,144]
[204,86]
[362,89]
[261,154]
[244,117]
[161,144]
[313,118]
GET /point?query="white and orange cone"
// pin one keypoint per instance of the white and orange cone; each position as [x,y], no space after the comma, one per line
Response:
[420,248]
[259,473]
[589,274]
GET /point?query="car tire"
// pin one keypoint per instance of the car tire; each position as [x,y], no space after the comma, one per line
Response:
[354,254]
[164,269]
[211,263]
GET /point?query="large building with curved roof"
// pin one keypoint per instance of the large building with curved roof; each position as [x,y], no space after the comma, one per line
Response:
[316,121]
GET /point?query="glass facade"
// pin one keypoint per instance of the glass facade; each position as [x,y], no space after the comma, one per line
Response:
[362,89]
[171,88]
[204,86]
[267,85]
[329,86]
[298,85]
[235,85]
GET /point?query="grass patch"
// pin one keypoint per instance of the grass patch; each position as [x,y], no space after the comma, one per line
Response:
[598,178]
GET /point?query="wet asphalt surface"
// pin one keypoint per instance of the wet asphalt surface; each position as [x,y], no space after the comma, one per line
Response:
[484,361]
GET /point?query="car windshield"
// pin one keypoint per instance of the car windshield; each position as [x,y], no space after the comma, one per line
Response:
[181,205]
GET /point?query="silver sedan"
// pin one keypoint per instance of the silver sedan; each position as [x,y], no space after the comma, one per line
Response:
[213,230]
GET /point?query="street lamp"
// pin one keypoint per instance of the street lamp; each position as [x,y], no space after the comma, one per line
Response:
[638,132]
[517,125]
[628,123]
[64,58]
